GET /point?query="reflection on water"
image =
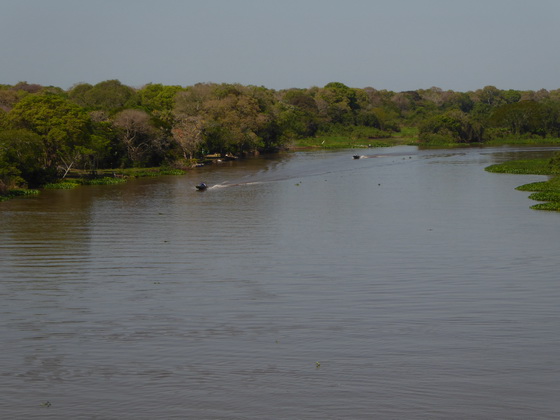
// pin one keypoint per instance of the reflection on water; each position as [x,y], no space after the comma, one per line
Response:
[424,287]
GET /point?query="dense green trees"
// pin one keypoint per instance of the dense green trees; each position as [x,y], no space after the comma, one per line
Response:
[527,118]
[22,159]
[110,95]
[455,126]
[45,131]
[64,127]
[225,119]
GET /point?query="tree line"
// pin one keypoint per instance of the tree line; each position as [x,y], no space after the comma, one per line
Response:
[46,131]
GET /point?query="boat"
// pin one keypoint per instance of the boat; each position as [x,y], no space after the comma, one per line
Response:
[202,186]
[356,156]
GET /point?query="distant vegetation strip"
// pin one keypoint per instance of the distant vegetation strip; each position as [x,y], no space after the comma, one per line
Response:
[48,134]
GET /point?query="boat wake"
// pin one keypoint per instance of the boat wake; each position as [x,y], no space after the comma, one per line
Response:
[236,184]
[307,165]
[388,155]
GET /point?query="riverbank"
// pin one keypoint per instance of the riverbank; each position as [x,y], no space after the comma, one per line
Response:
[359,138]
[79,178]
[110,176]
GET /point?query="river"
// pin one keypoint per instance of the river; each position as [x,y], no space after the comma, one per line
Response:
[409,284]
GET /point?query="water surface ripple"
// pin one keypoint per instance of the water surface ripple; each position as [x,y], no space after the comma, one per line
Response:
[406,285]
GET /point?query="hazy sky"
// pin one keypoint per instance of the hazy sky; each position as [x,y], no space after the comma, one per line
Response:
[387,44]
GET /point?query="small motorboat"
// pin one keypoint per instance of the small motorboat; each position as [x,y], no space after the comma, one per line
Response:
[356,156]
[202,186]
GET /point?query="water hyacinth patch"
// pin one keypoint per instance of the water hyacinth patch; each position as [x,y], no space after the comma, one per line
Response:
[19,192]
[551,206]
[61,186]
[527,167]
[536,186]
[103,181]
[172,172]
[546,196]
[548,191]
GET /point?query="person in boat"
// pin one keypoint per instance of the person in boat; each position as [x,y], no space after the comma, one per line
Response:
[201,186]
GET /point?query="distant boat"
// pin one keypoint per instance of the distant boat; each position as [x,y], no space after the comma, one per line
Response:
[356,156]
[202,186]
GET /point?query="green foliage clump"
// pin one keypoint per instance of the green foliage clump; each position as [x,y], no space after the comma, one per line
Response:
[65,185]
[22,155]
[172,171]
[451,127]
[109,95]
[102,181]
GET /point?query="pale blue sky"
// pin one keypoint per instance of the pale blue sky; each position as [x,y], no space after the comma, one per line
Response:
[387,44]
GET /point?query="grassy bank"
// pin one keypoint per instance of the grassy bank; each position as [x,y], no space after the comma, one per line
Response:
[357,137]
[110,176]
[18,192]
[362,137]
[536,141]
[76,179]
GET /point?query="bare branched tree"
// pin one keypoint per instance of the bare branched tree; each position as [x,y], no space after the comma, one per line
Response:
[135,131]
[187,133]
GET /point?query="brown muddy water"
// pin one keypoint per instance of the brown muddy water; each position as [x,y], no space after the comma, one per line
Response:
[411,285]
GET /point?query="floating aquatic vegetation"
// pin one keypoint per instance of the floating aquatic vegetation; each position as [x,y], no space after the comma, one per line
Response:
[543,190]
[61,185]
[103,181]
[528,167]
[546,196]
[551,206]
[18,192]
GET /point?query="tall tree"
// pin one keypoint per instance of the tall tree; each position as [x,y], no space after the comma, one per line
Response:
[490,95]
[452,126]
[136,133]
[110,95]
[188,134]
[157,97]
[338,103]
